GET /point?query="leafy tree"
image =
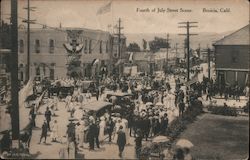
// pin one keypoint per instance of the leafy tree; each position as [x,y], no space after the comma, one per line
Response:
[158,43]
[133,47]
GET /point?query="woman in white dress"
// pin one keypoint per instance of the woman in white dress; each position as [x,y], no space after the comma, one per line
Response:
[124,124]
[54,134]
[102,126]
[81,134]
[116,129]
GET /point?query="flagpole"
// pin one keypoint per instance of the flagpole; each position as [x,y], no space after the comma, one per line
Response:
[112,17]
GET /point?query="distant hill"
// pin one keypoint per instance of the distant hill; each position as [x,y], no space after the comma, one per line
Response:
[203,38]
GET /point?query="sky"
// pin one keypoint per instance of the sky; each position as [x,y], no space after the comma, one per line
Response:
[83,14]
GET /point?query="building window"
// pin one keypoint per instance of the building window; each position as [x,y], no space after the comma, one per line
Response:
[90,46]
[107,47]
[37,46]
[86,46]
[51,46]
[100,46]
[38,71]
[21,46]
[102,62]
[235,57]
[21,76]
[52,74]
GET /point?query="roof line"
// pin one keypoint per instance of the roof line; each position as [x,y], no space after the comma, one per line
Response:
[230,34]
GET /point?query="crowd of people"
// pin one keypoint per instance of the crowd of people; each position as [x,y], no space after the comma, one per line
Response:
[143,115]
[147,114]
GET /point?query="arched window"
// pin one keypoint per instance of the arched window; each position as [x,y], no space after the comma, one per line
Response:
[38,71]
[52,74]
[90,46]
[21,46]
[21,76]
[51,46]
[100,46]
[107,47]
[37,46]
[86,46]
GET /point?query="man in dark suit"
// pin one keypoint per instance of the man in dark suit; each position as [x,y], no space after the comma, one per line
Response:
[110,128]
[48,117]
[33,116]
[96,134]
[121,140]
[91,135]
[181,108]
[44,132]
[164,123]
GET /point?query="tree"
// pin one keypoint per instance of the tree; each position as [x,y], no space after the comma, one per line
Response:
[144,44]
[133,47]
[158,43]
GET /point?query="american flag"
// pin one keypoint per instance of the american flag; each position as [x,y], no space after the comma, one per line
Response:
[104,9]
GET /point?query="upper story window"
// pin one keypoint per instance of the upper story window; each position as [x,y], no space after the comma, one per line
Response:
[21,65]
[90,46]
[107,47]
[37,46]
[235,57]
[51,46]
[100,46]
[37,71]
[21,46]
[86,46]
[52,73]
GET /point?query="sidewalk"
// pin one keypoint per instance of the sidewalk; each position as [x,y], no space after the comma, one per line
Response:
[218,101]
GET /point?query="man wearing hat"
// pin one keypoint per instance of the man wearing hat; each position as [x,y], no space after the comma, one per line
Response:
[121,140]
[110,127]
[164,123]
[91,135]
[138,143]
[96,133]
[33,115]
[181,108]
[44,132]
[48,117]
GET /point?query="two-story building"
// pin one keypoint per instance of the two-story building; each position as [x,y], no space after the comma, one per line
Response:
[51,51]
[232,58]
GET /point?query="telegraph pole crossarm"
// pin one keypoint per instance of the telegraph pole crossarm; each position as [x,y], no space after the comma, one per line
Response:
[28,21]
[168,46]
[187,26]
[208,57]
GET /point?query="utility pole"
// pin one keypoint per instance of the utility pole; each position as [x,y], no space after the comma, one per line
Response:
[28,21]
[187,26]
[167,49]
[119,39]
[199,51]
[14,76]
[208,61]
[176,49]
[185,48]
